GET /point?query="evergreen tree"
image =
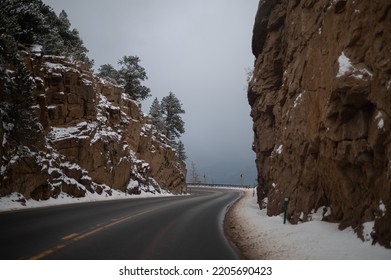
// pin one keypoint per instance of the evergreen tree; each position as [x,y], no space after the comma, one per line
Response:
[16,100]
[32,22]
[63,17]
[130,76]
[76,49]
[24,20]
[28,22]
[181,151]
[174,126]
[166,118]
[22,114]
[108,72]
[156,114]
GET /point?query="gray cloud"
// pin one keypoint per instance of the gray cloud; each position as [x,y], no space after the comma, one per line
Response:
[197,49]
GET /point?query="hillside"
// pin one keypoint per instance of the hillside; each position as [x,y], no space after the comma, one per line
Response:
[91,138]
[65,132]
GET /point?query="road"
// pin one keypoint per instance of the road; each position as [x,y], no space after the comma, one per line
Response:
[179,227]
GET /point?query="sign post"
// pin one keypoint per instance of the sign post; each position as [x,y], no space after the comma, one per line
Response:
[286,201]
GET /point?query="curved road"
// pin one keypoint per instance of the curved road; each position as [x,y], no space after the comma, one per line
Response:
[180,227]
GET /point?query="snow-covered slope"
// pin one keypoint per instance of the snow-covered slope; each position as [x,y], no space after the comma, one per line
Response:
[94,140]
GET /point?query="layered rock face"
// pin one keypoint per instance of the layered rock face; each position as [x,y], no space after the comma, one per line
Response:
[321,105]
[95,139]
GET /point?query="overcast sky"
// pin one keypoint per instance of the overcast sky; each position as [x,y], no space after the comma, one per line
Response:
[199,50]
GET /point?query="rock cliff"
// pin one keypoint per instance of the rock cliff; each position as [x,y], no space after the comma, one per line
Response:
[321,104]
[94,139]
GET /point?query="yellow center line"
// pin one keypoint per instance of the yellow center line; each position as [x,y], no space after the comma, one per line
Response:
[42,255]
[91,232]
[70,236]
[73,237]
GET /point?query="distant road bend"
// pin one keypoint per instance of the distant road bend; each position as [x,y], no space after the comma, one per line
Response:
[178,227]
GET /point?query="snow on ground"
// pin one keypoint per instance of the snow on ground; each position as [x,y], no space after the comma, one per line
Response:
[10,202]
[264,237]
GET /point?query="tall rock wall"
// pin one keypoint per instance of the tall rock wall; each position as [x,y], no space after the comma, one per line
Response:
[95,139]
[321,105]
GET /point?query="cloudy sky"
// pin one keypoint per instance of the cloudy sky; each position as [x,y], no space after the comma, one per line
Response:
[200,51]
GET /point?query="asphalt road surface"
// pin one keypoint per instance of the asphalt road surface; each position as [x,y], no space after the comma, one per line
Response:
[178,228]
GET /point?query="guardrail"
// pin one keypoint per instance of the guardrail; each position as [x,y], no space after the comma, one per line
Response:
[218,185]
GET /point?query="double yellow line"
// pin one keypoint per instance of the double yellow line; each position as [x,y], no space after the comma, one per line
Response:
[73,237]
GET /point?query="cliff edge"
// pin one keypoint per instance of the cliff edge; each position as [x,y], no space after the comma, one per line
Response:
[321,104]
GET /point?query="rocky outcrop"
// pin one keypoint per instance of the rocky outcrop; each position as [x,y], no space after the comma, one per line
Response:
[321,105]
[96,139]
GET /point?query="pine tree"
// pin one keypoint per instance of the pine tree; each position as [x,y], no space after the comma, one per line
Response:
[166,118]
[76,48]
[63,17]
[181,151]
[174,126]
[33,22]
[16,100]
[156,114]
[27,129]
[130,76]
[9,25]
[108,72]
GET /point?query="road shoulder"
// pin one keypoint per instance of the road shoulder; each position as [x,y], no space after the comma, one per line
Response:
[236,230]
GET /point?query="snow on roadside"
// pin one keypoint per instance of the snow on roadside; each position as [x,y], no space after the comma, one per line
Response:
[13,201]
[267,237]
